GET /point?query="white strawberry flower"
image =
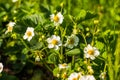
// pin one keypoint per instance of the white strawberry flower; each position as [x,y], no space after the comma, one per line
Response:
[57,19]
[91,52]
[72,41]
[63,66]
[87,77]
[75,76]
[10,27]
[54,42]
[1,67]
[29,33]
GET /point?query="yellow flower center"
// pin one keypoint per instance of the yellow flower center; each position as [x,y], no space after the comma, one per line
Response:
[71,41]
[64,75]
[56,18]
[91,51]
[54,41]
[64,65]
[29,33]
[10,28]
[74,79]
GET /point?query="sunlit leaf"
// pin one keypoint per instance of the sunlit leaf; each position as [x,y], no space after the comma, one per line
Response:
[99,45]
[55,71]
[73,52]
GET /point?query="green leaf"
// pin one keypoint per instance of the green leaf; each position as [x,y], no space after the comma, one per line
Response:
[25,51]
[1,41]
[73,52]
[28,21]
[53,58]
[5,76]
[2,14]
[82,14]
[90,15]
[35,44]
[85,15]
[56,71]
[99,45]
[11,44]
[104,55]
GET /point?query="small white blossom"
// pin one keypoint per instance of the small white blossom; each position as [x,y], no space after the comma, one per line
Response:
[72,41]
[1,67]
[103,75]
[57,19]
[10,27]
[29,33]
[37,58]
[14,1]
[75,31]
[54,42]
[91,52]
[63,66]
[87,77]
[75,76]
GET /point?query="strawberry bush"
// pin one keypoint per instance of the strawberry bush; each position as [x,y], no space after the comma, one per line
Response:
[59,40]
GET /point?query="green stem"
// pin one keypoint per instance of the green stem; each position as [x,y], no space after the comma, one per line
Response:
[18,3]
[72,20]
[88,61]
[117,59]
[93,39]
[69,6]
[61,50]
[110,67]
[84,38]
[62,38]
[24,44]
[105,67]
[73,62]
[110,64]
[43,63]
[47,66]
[44,48]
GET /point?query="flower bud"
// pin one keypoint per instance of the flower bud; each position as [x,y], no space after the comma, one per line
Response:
[14,36]
[64,75]
[37,58]
[96,21]
[75,31]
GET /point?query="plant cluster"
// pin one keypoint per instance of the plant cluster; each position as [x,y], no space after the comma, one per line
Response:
[63,42]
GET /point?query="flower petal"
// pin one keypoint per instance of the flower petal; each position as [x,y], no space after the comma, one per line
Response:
[24,37]
[50,45]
